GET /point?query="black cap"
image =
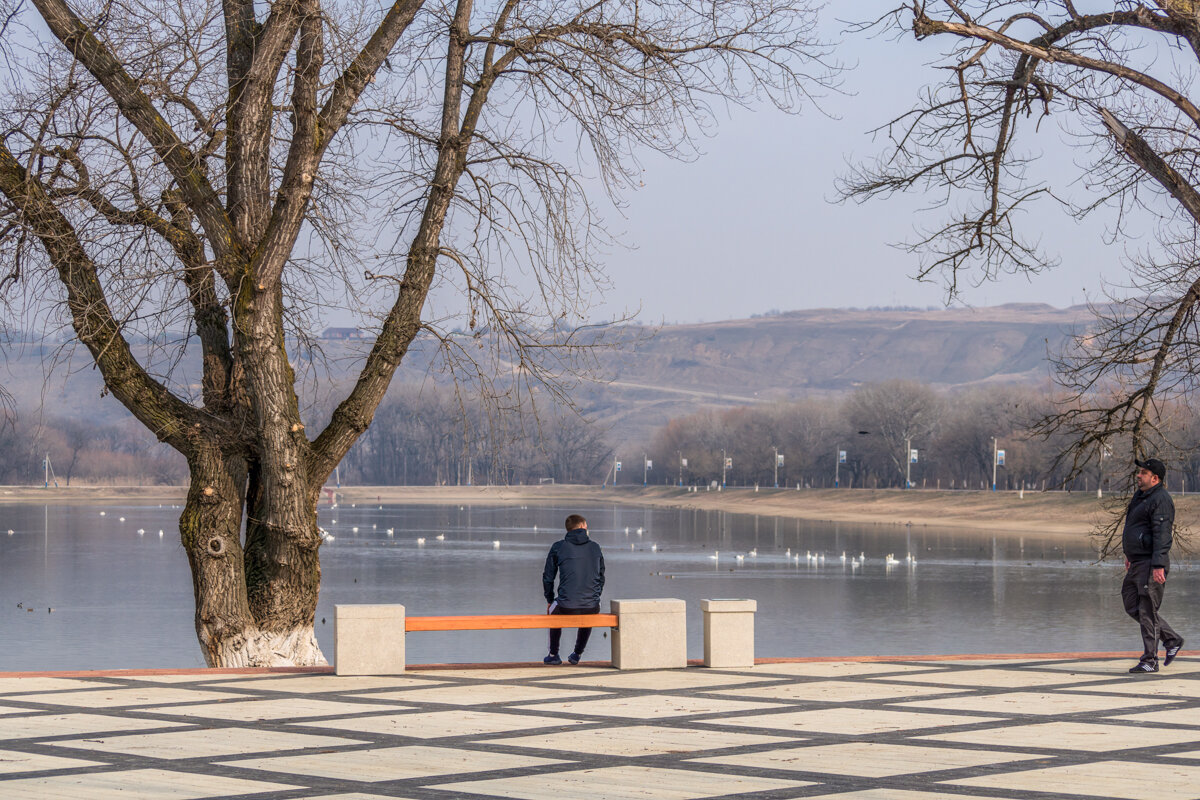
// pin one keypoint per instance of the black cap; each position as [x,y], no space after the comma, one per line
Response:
[1155,466]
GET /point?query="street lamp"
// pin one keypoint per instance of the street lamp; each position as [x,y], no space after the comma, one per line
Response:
[725,464]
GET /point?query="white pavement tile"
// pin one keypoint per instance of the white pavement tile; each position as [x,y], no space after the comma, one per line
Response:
[870,759]
[661,680]
[508,673]
[204,742]
[1150,686]
[640,740]
[393,763]
[1073,736]
[1005,678]
[108,698]
[1171,716]
[63,724]
[650,706]
[138,784]
[436,724]
[621,783]
[840,669]
[838,691]
[13,685]
[315,684]
[1099,779]
[275,709]
[12,761]
[483,693]
[850,721]
[1034,703]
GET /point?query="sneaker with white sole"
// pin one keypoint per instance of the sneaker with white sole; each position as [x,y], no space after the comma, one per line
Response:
[1144,666]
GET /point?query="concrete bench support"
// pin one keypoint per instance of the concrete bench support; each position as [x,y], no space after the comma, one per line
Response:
[650,634]
[728,632]
[368,640]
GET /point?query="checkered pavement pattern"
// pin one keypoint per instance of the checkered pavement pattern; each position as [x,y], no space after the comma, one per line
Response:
[854,730]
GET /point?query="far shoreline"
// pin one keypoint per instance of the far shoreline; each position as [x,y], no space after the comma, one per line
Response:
[1056,513]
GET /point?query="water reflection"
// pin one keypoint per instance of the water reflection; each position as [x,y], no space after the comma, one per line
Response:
[121,593]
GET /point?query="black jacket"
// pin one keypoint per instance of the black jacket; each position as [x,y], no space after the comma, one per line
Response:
[1148,522]
[579,564]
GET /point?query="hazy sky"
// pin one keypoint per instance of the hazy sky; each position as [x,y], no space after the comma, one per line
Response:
[752,225]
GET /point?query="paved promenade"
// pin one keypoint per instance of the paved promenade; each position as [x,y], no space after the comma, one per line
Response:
[902,729]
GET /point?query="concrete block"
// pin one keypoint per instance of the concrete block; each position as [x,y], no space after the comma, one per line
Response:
[728,632]
[368,639]
[650,634]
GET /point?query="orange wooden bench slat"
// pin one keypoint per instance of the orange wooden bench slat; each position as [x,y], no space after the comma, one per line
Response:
[499,622]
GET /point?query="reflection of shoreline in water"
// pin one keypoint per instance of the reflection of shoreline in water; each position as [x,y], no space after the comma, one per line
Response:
[123,599]
[1038,513]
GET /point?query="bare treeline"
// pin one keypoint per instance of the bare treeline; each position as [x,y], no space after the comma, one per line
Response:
[877,424]
[121,453]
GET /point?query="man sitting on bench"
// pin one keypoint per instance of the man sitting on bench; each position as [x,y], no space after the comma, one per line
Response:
[579,565]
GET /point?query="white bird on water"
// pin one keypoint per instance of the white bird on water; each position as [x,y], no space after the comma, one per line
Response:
[141,531]
[653,548]
[843,556]
[754,553]
[160,531]
[740,558]
[441,537]
[122,519]
[716,556]
[420,540]
[354,530]
[495,544]
[391,531]
[10,531]
[639,531]
[891,560]
[103,513]
[160,534]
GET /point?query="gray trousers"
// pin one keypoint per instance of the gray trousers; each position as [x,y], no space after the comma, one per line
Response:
[1142,597]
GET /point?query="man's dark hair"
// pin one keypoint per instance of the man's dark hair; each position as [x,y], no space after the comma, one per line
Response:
[574,521]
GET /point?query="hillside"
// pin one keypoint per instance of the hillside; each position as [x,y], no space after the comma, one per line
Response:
[825,351]
[678,369]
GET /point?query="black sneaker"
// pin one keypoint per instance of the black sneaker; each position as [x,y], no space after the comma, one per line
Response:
[1170,653]
[573,659]
[1144,666]
[552,659]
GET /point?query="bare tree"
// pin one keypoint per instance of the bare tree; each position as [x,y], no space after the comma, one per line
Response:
[894,416]
[235,168]
[1114,76]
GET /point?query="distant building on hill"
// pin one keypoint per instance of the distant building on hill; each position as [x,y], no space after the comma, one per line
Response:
[343,333]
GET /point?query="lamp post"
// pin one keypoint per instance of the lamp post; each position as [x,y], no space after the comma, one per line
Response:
[995,461]
[908,460]
[681,463]
[724,464]
[645,469]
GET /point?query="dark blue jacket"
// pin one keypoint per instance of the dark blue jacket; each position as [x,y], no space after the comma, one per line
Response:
[579,564]
[1148,522]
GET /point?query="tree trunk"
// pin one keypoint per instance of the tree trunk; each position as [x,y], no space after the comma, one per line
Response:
[210,528]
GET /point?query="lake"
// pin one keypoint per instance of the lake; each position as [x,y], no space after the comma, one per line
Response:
[123,598]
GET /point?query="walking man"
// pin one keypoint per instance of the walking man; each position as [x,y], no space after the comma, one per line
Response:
[1146,541]
[579,565]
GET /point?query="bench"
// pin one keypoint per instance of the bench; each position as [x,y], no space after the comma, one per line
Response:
[647,634]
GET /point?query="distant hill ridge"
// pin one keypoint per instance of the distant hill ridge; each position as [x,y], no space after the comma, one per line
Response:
[682,368]
[827,351]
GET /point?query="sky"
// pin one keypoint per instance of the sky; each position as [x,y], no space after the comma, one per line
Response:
[754,226]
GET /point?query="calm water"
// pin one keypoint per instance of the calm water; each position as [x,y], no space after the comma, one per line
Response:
[124,599]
